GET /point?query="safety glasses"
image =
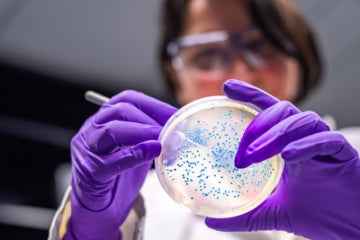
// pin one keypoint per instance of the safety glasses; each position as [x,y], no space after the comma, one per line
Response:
[214,52]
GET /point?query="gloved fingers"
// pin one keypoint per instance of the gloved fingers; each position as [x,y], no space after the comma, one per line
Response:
[263,217]
[106,138]
[122,111]
[107,167]
[328,143]
[276,138]
[126,158]
[156,109]
[264,121]
[245,92]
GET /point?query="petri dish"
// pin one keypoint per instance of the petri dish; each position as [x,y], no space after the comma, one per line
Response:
[196,165]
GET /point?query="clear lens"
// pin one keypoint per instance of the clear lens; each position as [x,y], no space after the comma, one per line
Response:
[206,57]
[213,52]
[255,43]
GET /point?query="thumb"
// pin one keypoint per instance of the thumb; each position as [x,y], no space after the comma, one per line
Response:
[264,217]
[138,155]
[125,159]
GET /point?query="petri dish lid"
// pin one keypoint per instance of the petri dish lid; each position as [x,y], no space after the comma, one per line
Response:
[196,166]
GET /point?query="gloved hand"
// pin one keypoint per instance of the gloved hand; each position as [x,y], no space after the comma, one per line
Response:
[318,195]
[111,155]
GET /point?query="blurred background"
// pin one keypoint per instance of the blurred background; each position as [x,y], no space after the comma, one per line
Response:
[51,52]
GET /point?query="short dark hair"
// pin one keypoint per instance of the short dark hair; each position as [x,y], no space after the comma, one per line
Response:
[281,22]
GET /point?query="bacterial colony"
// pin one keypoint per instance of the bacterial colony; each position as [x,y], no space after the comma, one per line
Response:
[196,166]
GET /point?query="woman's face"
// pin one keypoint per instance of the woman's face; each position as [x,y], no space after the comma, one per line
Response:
[279,75]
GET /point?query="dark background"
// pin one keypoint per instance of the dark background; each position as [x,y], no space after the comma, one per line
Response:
[51,52]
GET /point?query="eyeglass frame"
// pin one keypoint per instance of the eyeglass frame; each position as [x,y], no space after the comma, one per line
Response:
[175,46]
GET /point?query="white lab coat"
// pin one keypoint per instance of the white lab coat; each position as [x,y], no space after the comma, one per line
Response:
[166,220]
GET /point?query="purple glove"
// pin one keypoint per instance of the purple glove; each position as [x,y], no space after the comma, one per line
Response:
[318,195]
[111,155]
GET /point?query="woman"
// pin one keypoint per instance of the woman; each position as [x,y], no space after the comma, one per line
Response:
[269,46]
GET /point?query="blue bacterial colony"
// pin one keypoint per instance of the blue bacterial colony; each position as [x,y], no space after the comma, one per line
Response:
[197,166]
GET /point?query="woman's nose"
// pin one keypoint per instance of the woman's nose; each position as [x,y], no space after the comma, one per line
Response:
[242,70]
